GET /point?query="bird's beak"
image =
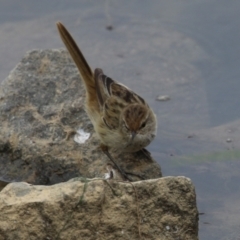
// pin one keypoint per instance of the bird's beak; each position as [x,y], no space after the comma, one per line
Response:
[133,135]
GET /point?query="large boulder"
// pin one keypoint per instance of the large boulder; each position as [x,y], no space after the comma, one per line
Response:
[163,209]
[41,111]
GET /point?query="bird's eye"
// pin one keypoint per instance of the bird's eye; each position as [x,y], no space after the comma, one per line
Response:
[143,125]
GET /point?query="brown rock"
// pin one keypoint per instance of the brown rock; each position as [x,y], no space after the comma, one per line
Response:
[163,209]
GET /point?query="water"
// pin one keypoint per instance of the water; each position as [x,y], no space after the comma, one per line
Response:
[188,50]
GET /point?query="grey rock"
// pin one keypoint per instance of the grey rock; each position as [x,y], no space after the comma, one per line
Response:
[41,108]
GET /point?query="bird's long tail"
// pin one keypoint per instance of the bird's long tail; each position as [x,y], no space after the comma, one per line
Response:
[82,65]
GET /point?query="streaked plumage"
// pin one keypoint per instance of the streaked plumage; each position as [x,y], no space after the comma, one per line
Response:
[122,119]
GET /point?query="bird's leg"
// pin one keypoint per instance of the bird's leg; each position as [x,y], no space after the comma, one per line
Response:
[105,150]
[123,173]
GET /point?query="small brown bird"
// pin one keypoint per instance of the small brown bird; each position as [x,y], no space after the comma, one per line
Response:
[122,119]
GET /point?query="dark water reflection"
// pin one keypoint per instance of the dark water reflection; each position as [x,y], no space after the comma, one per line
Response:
[188,50]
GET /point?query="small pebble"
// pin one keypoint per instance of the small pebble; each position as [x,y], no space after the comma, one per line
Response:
[163,98]
[109,27]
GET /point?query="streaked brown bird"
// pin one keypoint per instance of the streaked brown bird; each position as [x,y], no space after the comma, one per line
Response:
[122,119]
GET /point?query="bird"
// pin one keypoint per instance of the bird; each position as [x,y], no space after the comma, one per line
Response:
[122,120]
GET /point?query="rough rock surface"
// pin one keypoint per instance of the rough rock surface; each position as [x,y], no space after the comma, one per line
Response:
[41,108]
[163,209]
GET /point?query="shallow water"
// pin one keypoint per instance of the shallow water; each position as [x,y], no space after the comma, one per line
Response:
[188,50]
